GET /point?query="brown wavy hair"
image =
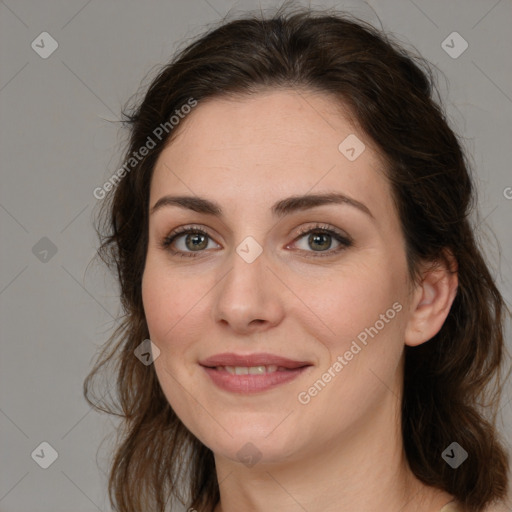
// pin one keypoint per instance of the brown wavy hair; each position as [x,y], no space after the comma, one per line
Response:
[452,384]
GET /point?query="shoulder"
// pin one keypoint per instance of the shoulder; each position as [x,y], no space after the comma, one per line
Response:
[451,507]
[500,507]
[496,507]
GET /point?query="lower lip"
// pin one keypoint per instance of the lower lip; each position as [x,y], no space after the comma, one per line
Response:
[252,383]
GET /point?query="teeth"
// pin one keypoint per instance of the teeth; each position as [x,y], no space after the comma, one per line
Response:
[249,370]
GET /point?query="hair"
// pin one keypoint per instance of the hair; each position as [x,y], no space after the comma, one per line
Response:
[451,384]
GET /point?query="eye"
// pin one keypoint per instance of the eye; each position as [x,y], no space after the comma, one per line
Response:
[196,240]
[320,239]
[189,241]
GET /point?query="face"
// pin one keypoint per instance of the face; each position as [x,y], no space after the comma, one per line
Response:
[323,284]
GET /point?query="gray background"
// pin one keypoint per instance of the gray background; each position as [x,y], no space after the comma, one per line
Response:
[59,141]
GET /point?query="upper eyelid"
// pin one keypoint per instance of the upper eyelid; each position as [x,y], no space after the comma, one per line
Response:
[317,226]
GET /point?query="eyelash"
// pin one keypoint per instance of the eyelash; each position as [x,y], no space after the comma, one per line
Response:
[344,240]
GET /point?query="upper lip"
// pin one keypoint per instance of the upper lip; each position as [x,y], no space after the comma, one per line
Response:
[261,359]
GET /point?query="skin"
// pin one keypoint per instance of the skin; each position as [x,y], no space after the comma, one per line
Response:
[342,451]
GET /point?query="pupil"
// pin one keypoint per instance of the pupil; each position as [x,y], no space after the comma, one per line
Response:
[316,238]
[196,243]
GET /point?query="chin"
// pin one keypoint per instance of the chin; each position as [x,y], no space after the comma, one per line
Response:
[252,443]
[253,452]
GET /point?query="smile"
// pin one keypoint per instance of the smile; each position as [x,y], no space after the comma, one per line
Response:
[253,379]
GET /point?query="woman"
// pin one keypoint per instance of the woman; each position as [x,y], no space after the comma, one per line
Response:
[291,231]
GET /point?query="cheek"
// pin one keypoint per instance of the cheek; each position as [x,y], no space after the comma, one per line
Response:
[364,345]
[165,303]
[176,308]
[346,303]
[361,314]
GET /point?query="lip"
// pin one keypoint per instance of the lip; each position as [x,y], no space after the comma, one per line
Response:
[288,370]
[251,383]
[260,359]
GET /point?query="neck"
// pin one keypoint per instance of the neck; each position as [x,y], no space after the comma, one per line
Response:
[365,470]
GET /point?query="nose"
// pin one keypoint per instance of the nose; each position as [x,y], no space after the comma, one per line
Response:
[250,297]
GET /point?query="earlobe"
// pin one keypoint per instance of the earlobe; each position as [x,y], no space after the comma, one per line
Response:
[431,304]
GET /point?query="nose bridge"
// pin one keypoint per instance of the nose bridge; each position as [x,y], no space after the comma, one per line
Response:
[247,292]
[247,276]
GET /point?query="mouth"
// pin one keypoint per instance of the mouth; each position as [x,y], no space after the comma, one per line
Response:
[253,370]
[252,373]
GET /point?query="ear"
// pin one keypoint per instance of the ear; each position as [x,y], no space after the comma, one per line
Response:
[433,297]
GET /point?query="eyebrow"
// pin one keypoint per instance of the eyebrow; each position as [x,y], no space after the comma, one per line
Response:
[280,209]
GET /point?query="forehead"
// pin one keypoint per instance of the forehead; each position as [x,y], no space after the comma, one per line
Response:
[260,148]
